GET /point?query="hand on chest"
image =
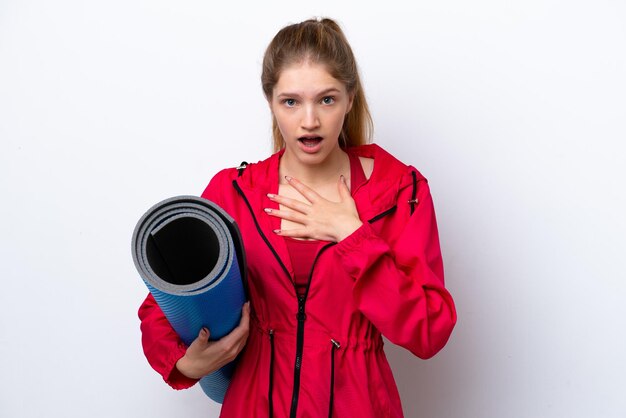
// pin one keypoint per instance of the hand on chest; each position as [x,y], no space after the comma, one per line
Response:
[329,192]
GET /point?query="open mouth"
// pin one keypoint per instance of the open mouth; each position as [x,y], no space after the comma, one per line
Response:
[310,141]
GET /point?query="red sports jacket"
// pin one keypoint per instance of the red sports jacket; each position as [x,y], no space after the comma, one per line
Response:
[322,355]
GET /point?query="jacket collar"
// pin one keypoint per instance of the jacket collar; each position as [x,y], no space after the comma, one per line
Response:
[376,195]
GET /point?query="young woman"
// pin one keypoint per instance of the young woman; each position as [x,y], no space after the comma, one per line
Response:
[342,249]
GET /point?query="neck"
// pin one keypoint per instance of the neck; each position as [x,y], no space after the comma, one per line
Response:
[319,174]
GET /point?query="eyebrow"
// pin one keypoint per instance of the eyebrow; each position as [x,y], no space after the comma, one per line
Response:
[321,93]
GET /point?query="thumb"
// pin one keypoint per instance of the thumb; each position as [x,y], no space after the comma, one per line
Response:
[204,335]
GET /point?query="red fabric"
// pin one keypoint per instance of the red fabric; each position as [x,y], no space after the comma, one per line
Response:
[386,278]
[302,254]
[357,175]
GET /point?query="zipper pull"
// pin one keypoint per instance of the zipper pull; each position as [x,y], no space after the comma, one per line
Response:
[301,316]
[335,343]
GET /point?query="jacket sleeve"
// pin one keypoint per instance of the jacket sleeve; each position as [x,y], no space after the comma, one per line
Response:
[399,287]
[161,345]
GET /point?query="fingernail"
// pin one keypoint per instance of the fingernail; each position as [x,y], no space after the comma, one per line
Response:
[343,178]
[287,178]
[268,210]
[277,231]
[271,196]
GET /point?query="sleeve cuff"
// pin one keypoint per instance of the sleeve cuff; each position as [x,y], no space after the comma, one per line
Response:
[176,379]
[361,250]
[354,241]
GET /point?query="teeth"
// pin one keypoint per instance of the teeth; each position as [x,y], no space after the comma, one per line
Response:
[310,142]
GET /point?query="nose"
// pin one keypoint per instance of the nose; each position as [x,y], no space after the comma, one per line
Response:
[310,118]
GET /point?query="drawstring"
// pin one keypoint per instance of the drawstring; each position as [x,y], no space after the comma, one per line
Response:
[413,200]
[241,167]
[269,396]
[335,346]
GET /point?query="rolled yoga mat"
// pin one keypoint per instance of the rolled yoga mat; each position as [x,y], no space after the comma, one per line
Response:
[190,255]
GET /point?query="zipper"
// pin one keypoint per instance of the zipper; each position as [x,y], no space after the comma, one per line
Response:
[260,231]
[270,395]
[335,346]
[300,315]
[383,214]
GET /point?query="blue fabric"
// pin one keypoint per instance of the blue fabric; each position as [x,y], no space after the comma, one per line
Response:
[189,253]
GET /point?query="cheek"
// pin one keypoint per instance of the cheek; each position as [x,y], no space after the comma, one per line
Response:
[339,118]
[284,124]
[278,117]
[282,119]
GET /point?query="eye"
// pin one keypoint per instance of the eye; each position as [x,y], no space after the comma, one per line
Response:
[328,100]
[289,102]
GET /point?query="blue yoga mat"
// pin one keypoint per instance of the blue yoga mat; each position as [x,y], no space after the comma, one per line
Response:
[190,255]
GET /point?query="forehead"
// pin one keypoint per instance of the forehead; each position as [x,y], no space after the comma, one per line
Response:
[306,78]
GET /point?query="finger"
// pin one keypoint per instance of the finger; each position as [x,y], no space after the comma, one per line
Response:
[344,190]
[202,340]
[229,347]
[308,193]
[294,233]
[245,313]
[240,333]
[289,203]
[287,214]
[244,325]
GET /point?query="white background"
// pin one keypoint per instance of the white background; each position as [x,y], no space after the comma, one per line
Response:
[515,111]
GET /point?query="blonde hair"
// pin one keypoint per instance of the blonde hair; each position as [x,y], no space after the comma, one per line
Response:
[322,42]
